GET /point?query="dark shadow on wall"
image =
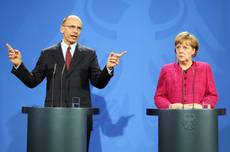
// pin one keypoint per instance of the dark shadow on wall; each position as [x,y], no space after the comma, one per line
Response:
[17,132]
[103,123]
[17,127]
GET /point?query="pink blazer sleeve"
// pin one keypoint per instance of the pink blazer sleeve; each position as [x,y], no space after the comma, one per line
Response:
[160,98]
[211,95]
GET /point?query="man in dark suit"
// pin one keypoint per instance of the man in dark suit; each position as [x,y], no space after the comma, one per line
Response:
[68,67]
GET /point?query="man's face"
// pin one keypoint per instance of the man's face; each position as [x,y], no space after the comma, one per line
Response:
[71,30]
[184,52]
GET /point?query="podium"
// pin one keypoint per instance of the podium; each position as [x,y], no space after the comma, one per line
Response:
[187,130]
[57,129]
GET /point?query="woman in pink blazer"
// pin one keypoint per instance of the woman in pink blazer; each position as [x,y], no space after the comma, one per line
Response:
[186,83]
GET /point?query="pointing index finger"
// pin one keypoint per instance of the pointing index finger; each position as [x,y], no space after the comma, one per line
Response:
[9,46]
[122,53]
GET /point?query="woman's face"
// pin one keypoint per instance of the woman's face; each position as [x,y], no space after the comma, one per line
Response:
[184,52]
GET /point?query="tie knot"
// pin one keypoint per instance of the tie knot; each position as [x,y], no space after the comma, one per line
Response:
[69,48]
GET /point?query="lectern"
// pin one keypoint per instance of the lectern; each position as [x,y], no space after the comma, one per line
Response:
[57,129]
[187,130]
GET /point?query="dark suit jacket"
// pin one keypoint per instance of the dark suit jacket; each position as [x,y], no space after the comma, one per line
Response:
[73,82]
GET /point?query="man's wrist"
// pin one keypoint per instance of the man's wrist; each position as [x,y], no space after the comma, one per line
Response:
[16,66]
[109,69]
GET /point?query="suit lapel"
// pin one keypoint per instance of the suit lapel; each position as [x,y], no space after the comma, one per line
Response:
[58,55]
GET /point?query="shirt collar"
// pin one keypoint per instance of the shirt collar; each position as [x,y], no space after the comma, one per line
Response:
[64,47]
[73,46]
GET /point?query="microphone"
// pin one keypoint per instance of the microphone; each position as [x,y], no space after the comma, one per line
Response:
[183,90]
[62,72]
[193,83]
[52,91]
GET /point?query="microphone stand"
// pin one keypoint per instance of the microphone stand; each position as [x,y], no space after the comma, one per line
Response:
[183,89]
[53,78]
[62,72]
[193,84]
